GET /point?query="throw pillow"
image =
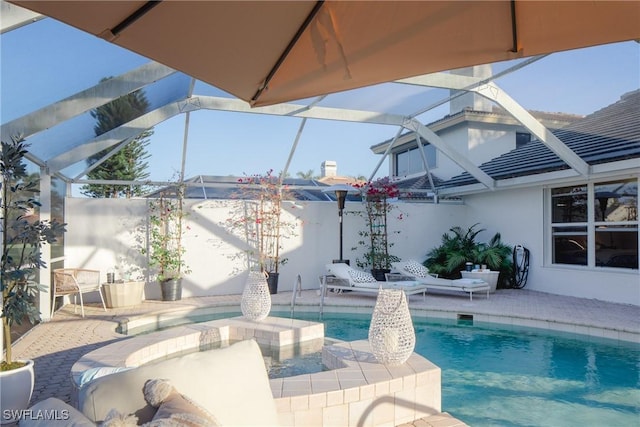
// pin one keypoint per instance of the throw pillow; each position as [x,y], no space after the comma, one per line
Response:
[416,269]
[174,409]
[116,419]
[361,276]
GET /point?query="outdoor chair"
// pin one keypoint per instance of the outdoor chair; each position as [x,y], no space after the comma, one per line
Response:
[416,271]
[75,281]
[362,281]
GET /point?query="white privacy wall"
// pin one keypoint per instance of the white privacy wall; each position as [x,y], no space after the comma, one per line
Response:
[102,234]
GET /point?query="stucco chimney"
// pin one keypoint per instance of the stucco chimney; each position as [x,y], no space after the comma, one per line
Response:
[328,168]
[470,99]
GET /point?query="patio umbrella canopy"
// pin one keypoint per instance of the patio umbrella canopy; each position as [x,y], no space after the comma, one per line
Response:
[268,52]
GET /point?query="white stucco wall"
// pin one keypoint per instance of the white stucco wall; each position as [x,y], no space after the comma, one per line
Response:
[488,142]
[102,234]
[518,216]
[479,143]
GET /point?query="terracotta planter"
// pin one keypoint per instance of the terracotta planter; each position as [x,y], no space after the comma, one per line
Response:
[123,294]
[16,387]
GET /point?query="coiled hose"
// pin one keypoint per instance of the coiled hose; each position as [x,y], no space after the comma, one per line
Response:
[520,266]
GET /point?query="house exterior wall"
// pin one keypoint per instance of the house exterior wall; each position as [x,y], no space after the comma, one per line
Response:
[479,143]
[519,217]
[488,142]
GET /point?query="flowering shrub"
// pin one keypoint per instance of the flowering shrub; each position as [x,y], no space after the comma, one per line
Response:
[260,219]
[376,195]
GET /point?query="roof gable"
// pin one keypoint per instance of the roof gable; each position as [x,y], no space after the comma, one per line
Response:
[607,135]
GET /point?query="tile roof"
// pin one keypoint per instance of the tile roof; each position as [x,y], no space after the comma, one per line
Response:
[609,134]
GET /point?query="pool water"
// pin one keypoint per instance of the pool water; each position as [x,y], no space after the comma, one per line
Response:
[524,377]
[298,365]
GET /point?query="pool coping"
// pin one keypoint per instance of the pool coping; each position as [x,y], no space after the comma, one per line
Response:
[582,329]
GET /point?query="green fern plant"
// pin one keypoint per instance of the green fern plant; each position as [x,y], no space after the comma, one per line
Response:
[459,246]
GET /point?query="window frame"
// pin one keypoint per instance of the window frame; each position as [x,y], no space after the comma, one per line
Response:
[412,153]
[591,224]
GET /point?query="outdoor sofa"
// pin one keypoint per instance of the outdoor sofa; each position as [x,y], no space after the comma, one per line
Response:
[230,384]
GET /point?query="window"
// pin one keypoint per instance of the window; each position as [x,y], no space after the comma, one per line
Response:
[409,162]
[522,138]
[595,224]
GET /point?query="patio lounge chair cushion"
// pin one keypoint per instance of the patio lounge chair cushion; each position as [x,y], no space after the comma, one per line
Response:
[361,276]
[368,283]
[432,283]
[468,282]
[343,271]
[230,383]
[415,268]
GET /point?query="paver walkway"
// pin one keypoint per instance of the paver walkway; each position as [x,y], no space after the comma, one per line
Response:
[56,345]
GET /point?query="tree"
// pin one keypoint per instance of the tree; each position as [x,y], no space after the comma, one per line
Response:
[23,236]
[129,163]
[306,175]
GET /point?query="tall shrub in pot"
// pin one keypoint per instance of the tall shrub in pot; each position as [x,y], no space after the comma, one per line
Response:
[22,240]
[260,220]
[166,249]
[376,196]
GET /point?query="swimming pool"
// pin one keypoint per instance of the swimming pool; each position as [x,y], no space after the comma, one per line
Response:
[493,376]
[519,377]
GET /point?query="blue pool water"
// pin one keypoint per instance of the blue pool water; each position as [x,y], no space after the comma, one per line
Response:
[524,377]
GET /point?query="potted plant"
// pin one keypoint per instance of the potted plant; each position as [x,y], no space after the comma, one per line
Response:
[165,249]
[376,196]
[259,218]
[460,247]
[22,239]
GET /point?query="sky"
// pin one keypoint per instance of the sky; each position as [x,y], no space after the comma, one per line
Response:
[47,61]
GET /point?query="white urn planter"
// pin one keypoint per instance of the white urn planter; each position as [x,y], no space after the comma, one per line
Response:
[16,387]
[256,298]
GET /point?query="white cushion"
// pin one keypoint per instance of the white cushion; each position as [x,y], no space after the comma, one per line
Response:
[359,276]
[416,269]
[343,271]
[231,383]
[469,283]
[67,414]
[339,269]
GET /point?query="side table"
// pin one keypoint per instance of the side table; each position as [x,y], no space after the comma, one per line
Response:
[491,277]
